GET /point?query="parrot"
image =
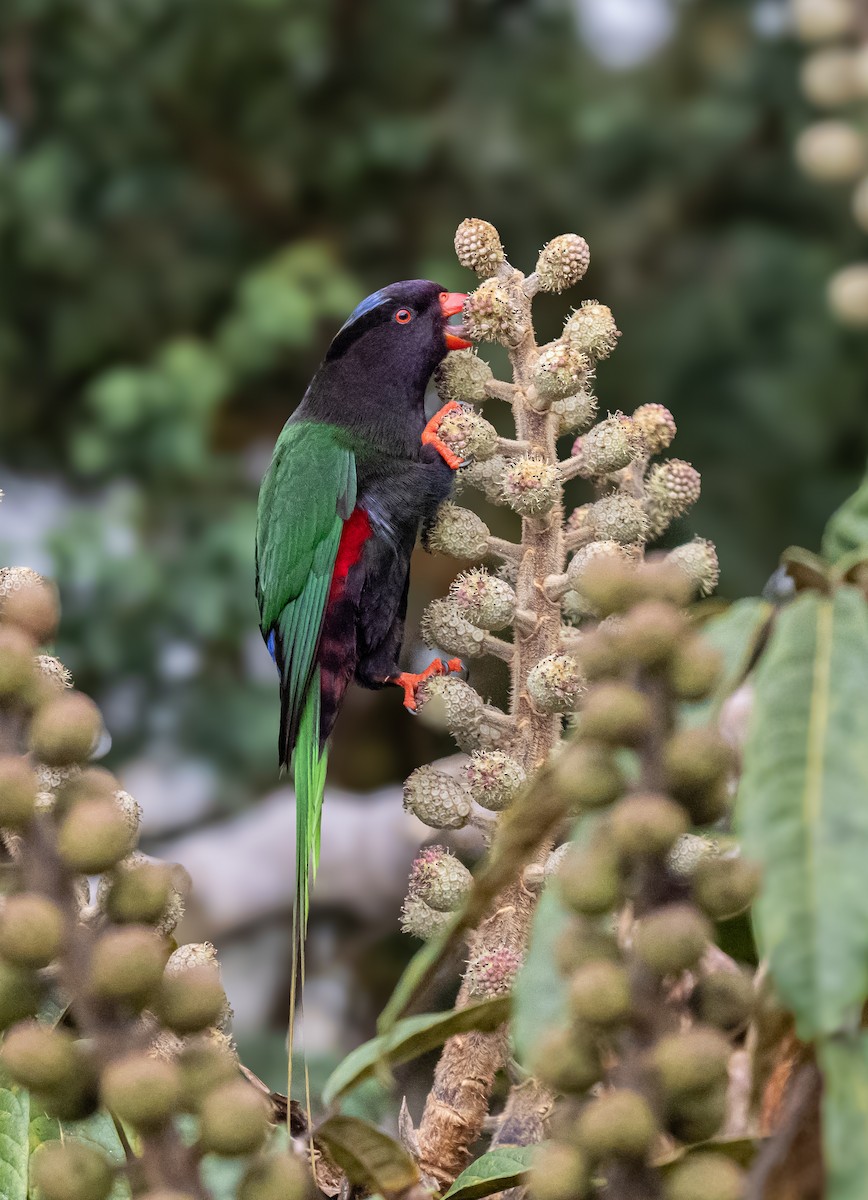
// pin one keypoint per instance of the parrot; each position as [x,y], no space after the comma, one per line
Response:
[356,474]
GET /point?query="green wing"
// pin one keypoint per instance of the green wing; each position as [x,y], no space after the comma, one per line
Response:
[307,494]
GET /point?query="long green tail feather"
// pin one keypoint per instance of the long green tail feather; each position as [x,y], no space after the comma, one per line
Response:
[309,766]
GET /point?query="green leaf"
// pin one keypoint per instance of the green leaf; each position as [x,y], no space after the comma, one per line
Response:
[802,807]
[844,1063]
[505,1167]
[847,529]
[410,1038]
[369,1157]
[540,992]
[736,635]
[14,1145]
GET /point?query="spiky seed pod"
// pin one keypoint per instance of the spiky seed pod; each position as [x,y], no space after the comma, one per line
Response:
[531,486]
[587,775]
[565,1062]
[462,376]
[233,1119]
[458,532]
[94,836]
[560,1172]
[593,552]
[492,315]
[493,779]
[487,477]
[847,294]
[828,78]
[420,920]
[478,247]
[65,730]
[822,20]
[277,1177]
[672,938]
[589,880]
[711,1176]
[724,887]
[575,412]
[53,672]
[698,560]
[599,993]
[439,879]
[647,825]
[831,152]
[443,626]
[616,713]
[469,435]
[40,1058]
[609,446]
[18,676]
[619,518]
[657,426]
[651,633]
[71,1170]
[591,330]
[483,599]
[560,370]
[493,972]
[142,1090]
[671,489]
[457,704]
[555,683]
[690,1061]
[618,1123]
[689,851]
[31,930]
[127,965]
[436,799]
[18,788]
[562,262]
[695,760]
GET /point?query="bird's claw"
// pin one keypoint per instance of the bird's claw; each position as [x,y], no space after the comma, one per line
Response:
[430,436]
[410,682]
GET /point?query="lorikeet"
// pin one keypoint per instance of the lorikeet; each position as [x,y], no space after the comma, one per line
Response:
[356,473]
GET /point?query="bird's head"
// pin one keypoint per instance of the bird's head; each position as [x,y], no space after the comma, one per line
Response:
[404,327]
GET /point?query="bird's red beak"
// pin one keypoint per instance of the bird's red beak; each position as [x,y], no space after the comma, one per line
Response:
[450,304]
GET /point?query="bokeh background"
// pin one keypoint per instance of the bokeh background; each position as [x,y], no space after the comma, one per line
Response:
[194,195]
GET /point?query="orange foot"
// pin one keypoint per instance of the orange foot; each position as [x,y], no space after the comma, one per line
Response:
[430,438]
[410,682]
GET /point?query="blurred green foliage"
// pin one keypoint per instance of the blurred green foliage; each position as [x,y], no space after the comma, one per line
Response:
[193,195]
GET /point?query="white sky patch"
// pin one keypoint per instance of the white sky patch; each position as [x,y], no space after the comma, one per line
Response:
[624,33]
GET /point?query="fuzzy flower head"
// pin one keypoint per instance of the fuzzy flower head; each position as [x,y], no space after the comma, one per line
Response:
[458,532]
[483,599]
[555,683]
[563,262]
[560,369]
[444,627]
[52,670]
[492,315]
[672,487]
[698,560]
[494,779]
[531,486]
[493,972]
[619,518]
[462,376]
[574,413]
[486,476]
[436,799]
[657,426]
[591,330]
[610,446]
[449,701]
[420,920]
[439,879]
[478,247]
[593,552]
[469,435]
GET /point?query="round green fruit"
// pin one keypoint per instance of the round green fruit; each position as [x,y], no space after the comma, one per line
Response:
[672,938]
[599,993]
[705,1176]
[191,1000]
[127,965]
[646,825]
[277,1177]
[618,1123]
[18,788]
[565,1060]
[233,1119]
[70,1170]
[559,1172]
[31,930]
[142,1090]
[94,836]
[724,887]
[39,1058]
[694,1060]
[616,714]
[65,730]
[724,999]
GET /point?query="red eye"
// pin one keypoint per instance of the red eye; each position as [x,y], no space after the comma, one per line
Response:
[403,315]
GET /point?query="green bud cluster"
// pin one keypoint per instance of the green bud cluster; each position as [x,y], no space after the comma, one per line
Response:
[144,1028]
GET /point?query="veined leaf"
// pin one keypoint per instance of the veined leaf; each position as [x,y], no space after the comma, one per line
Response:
[847,529]
[505,1167]
[14,1145]
[802,807]
[844,1063]
[369,1157]
[410,1038]
[736,635]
